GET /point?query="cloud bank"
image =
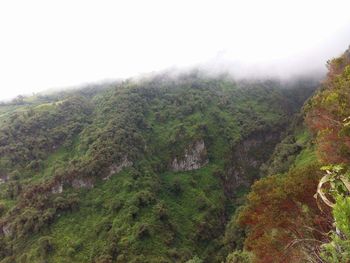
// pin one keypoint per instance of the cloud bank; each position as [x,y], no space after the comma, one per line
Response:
[48,44]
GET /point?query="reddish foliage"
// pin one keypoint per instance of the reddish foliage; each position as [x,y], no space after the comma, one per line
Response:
[280,210]
[328,109]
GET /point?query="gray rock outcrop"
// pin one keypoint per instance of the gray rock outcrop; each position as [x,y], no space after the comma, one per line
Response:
[117,168]
[57,188]
[82,183]
[195,157]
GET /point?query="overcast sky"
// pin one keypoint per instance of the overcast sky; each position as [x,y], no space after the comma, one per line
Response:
[49,44]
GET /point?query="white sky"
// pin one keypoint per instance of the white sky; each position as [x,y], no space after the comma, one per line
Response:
[47,44]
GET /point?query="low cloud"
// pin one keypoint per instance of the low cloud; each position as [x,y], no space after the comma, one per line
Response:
[67,43]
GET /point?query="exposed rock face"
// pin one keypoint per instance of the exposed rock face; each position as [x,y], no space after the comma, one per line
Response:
[57,188]
[82,183]
[3,178]
[117,168]
[88,182]
[6,230]
[195,157]
[243,166]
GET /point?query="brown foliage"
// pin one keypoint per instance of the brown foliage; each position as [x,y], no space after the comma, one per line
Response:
[280,212]
[326,112]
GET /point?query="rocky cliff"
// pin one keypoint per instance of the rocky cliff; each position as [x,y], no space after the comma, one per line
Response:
[244,163]
[194,157]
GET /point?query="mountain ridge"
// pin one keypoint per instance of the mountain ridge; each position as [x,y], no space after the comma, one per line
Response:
[88,173]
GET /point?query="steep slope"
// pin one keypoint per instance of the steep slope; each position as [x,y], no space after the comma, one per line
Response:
[283,220]
[141,171]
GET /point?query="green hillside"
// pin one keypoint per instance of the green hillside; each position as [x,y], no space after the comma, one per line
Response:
[148,170]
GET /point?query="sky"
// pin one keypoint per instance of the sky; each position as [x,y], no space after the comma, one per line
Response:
[47,44]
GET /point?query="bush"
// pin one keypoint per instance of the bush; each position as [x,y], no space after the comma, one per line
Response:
[161,211]
[2,209]
[143,231]
[103,259]
[239,257]
[115,206]
[202,203]
[176,187]
[45,246]
[145,198]
[194,260]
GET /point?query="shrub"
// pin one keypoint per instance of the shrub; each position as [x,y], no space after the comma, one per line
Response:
[2,209]
[103,259]
[45,246]
[239,257]
[143,231]
[161,211]
[195,260]
[176,187]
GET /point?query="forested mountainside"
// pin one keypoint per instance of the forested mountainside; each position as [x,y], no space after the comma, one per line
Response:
[156,170]
[302,213]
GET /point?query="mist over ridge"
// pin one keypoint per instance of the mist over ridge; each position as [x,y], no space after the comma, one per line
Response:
[118,40]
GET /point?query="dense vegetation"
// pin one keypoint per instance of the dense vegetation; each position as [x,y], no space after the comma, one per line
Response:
[301,214]
[148,170]
[179,169]
[328,117]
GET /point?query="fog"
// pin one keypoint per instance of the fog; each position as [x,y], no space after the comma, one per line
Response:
[56,44]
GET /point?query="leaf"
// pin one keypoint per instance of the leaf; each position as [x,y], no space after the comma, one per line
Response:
[324,179]
[325,168]
[345,182]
